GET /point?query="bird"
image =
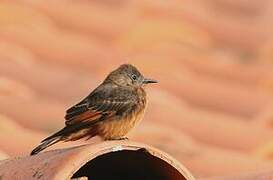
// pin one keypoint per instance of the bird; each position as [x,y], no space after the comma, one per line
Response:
[110,111]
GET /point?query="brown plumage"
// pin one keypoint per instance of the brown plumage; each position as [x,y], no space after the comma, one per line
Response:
[110,111]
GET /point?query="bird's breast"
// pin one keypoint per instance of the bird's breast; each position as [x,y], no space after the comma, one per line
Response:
[120,126]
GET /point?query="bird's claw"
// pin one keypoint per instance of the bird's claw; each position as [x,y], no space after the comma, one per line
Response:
[124,138]
[119,139]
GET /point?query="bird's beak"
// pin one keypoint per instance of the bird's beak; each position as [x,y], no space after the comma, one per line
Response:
[148,81]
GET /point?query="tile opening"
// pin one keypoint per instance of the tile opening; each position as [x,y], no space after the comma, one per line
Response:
[128,165]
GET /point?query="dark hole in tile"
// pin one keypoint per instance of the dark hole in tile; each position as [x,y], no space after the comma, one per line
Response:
[128,165]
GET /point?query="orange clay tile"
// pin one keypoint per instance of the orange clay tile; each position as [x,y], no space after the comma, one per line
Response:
[3,155]
[252,175]
[100,161]
[15,139]
[205,126]
[201,159]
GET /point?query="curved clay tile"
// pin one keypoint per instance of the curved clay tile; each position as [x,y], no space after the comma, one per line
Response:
[107,160]
[3,155]
[193,154]
[15,139]
[261,175]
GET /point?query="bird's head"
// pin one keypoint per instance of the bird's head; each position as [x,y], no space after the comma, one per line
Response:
[128,75]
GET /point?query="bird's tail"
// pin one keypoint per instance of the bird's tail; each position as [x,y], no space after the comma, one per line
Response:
[61,135]
[44,144]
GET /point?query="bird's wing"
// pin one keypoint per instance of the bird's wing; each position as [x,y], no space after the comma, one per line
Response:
[103,103]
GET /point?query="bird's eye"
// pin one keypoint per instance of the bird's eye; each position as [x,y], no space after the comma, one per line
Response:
[134,77]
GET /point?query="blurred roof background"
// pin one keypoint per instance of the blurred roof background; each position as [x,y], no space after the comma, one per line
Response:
[214,59]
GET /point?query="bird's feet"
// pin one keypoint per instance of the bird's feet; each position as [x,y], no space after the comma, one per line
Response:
[119,139]
[124,138]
